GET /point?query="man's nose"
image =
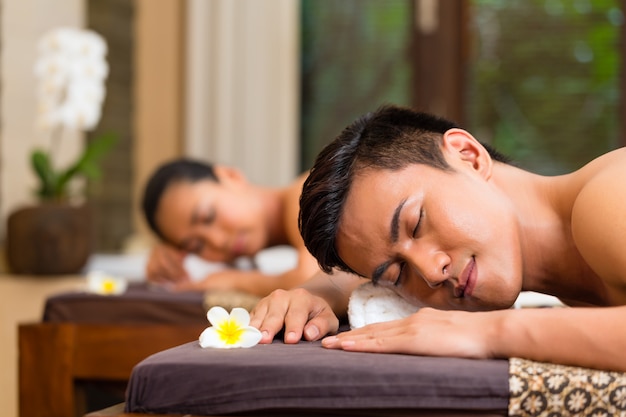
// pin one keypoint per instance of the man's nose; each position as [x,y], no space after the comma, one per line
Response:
[431,265]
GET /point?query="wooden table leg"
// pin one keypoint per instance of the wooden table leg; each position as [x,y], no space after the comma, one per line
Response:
[45,369]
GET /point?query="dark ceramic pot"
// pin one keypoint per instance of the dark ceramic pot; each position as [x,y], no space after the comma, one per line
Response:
[49,239]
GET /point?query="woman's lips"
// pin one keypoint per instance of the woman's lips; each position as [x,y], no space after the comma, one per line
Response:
[239,246]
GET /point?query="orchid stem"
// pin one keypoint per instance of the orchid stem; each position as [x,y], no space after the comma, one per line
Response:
[55,140]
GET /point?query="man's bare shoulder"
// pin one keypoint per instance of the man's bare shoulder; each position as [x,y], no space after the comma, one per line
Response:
[599,218]
[603,179]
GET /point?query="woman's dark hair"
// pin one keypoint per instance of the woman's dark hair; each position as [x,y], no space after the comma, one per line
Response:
[171,172]
[389,138]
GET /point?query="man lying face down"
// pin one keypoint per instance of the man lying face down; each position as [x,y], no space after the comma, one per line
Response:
[410,201]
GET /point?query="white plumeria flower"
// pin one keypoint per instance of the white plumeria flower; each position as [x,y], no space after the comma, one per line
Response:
[71,69]
[101,283]
[229,330]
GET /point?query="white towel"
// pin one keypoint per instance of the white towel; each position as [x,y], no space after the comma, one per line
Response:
[373,304]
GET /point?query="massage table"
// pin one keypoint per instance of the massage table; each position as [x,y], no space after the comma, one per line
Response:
[305,380]
[85,340]
[308,380]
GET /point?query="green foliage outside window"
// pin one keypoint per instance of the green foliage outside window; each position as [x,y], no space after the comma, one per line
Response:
[355,57]
[544,79]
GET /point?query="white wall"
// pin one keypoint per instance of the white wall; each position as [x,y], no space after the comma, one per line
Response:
[23,22]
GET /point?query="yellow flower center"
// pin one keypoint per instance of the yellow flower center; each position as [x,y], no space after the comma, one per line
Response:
[108,286]
[229,331]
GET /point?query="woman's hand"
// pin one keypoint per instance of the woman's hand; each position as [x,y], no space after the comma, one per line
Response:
[165,265]
[428,332]
[299,311]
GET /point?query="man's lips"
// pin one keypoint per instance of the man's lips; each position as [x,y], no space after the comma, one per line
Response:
[467,280]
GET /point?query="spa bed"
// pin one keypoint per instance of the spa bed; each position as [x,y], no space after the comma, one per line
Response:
[87,341]
[308,380]
[305,380]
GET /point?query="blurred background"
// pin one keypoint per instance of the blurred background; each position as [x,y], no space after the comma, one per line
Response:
[264,85]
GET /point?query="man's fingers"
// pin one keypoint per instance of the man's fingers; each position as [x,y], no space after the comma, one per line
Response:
[257,314]
[300,313]
[321,325]
[302,316]
[269,314]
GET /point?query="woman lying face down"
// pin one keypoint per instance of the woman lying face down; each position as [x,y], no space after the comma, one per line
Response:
[412,202]
[215,213]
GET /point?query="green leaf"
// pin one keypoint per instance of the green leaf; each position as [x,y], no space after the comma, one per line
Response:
[47,177]
[88,164]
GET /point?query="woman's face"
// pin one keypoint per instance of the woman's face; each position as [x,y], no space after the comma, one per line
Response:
[217,221]
[447,239]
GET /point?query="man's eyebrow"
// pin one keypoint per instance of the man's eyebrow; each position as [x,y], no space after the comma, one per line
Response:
[395,222]
[394,234]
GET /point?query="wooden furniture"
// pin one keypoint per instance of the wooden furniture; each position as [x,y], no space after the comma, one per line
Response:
[54,356]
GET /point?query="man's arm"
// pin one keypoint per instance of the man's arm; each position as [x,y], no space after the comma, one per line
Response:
[578,336]
[335,289]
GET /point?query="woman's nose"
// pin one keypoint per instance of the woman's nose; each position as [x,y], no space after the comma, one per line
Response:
[217,240]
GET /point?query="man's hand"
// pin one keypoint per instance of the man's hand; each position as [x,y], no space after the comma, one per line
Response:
[301,313]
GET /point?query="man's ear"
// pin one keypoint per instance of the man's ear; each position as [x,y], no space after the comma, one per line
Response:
[227,174]
[462,146]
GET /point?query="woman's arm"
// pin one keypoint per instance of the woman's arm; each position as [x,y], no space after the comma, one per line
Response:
[255,281]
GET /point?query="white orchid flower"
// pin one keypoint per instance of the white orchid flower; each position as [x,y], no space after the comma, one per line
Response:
[71,69]
[229,330]
[78,115]
[85,92]
[91,46]
[92,70]
[101,283]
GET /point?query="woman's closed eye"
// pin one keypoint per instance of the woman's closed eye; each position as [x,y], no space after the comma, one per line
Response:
[209,217]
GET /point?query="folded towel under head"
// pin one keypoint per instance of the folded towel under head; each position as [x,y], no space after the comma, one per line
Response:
[371,303]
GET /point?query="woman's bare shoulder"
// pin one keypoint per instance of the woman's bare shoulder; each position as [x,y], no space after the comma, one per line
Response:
[291,208]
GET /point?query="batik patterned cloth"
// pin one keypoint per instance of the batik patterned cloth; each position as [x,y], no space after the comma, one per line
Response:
[547,390]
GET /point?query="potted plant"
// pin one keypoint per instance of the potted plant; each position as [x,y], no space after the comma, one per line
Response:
[54,236]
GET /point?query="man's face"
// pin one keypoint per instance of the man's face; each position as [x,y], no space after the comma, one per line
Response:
[445,238]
